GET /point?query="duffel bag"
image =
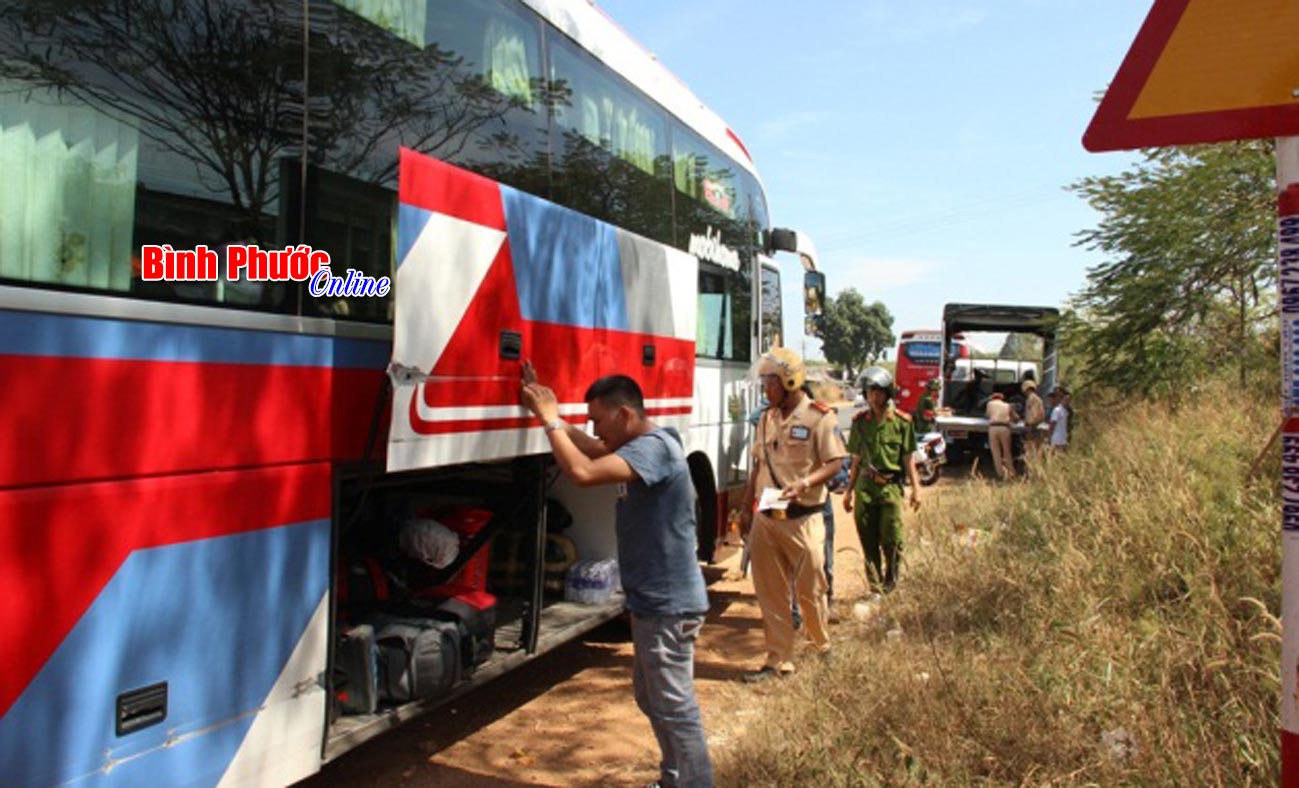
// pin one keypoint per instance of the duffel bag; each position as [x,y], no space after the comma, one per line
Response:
[419,658]
[356,671]
[475,613]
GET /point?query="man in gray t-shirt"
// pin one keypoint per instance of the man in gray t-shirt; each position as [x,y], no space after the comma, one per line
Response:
[656,553]
[656,529]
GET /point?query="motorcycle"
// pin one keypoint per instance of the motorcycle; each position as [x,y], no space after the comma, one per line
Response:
[930,457]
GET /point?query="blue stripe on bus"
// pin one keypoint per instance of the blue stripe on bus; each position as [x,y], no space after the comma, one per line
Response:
[410,223]
[68,336]
[566,264]
[215,618]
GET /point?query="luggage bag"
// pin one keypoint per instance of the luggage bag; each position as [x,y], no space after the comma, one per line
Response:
[356,671]
[419,658]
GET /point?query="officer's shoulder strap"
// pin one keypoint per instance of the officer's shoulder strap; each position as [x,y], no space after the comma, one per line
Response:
[863,414]
[821,406]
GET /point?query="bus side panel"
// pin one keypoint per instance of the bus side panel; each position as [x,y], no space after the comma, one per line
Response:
[733,467]
[355,396]
[208,582]
[918,361]
[705,434]
[720,428]
[283,744]
[489,276]
[106,398]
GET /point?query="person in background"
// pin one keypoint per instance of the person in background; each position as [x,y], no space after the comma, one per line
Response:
[795,452]
[925,417]
[655,525]
[882,444]
[1000,416]
[837,484]
[1060,419]
[1034,418]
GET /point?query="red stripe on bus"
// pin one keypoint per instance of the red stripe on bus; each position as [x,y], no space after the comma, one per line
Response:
[436,186]
[77,419]
[510,422]
[736,138]
[60,545]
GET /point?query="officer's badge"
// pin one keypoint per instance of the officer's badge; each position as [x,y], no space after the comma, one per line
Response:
[799,433]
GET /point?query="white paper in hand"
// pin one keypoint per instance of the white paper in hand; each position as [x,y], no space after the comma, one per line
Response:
[771,500]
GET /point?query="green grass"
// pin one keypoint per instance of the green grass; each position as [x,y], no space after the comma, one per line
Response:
[1115,623]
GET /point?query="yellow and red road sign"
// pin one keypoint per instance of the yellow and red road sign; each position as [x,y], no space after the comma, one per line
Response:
[1204,71]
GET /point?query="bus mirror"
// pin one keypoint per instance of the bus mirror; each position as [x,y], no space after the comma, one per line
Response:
[813,302]
[781,240]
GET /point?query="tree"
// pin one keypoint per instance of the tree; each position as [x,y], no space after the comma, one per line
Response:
[1191,237]
[854,334]
[1021,346]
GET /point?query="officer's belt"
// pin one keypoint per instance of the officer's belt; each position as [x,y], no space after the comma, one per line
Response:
[796,510]
[883,478]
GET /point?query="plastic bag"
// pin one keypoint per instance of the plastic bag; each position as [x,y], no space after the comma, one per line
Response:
[429,541]
[592,582]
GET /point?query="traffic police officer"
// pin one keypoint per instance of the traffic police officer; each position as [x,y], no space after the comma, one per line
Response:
[881,443]
[795,451]
[923,418]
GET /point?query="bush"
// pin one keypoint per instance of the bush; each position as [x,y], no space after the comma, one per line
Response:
[1115,623]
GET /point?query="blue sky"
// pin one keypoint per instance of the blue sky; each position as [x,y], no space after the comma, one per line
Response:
[923,144]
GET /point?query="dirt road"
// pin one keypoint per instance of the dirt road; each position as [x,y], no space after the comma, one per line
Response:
[568,718]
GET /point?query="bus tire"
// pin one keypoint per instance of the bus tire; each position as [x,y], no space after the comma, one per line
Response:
[701,474]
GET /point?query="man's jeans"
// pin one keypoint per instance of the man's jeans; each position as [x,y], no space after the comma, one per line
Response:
[663,676]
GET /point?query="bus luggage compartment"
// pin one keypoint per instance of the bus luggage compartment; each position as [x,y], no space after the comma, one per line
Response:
[491,630]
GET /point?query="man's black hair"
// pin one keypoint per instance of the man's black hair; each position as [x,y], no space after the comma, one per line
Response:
[616,391]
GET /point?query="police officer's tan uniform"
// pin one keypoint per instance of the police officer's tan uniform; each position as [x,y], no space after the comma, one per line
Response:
[1034,418]
[1000,416]
[790,549]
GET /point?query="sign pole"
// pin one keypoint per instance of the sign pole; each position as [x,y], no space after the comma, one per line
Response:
[1287,181]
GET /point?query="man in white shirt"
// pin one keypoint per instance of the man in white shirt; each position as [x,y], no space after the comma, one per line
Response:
[1060,418]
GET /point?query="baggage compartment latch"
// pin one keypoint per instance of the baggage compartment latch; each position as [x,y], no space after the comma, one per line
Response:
[141,708]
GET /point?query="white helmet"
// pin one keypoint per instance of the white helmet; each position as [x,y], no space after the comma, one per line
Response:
[876,378]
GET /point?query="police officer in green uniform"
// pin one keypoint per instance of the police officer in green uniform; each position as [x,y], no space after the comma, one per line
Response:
[881,444]
[923,418]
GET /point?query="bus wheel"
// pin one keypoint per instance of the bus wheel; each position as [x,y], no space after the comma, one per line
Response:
[705,508]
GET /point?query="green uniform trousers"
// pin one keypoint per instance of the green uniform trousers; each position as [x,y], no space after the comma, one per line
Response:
[879,526]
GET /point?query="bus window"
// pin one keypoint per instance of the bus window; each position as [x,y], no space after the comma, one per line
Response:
[353,220]
[772,324]
[610,145]
[106,150]
[456,82]
[755,204]
[713,338]
[722,319]
[703,174]
[739,283]
[923,353]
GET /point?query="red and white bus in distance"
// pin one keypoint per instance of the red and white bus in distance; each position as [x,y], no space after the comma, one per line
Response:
[198,520]
[918,358]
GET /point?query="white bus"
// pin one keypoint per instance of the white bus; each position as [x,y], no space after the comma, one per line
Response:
[198,521]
